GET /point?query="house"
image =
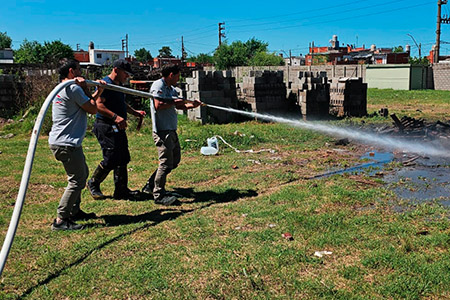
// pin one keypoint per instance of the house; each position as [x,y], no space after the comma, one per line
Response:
[104,56]
[6,56]
[338,55]
[294,60]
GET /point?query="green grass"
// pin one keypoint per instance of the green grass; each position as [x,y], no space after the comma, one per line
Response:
[225,239]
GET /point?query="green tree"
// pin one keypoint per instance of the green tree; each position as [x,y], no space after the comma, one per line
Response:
[266,59]
[5,40]
[165,51]
[143,55]
[54,51]
[243,54]
[397,49]
[50,52]
[419,61]
[202,58]
[29,52]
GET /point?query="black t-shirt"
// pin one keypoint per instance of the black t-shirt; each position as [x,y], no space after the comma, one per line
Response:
[114,101]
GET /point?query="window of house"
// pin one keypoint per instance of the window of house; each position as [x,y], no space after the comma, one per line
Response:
[99,55]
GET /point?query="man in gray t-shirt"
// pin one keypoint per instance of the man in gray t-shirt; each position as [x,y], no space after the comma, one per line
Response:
[164,118]
[69,118]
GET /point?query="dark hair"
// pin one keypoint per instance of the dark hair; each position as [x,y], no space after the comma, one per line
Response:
[170,68]
[64,65]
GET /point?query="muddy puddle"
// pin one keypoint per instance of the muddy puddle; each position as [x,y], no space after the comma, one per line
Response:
[418,180]
[427,179]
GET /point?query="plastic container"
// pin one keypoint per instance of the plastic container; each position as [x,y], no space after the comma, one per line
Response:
[212,148]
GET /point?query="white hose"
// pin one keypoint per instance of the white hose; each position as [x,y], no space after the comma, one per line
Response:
[30,157]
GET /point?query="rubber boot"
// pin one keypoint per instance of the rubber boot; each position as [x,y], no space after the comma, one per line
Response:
[93,184]
[121,185]
[147,190]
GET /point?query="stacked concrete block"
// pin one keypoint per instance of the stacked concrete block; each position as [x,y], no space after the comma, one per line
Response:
[312,93]
[348,97]
[264,91]
[212,87]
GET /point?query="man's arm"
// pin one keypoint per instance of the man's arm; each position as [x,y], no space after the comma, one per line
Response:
[102,109]
[91,105]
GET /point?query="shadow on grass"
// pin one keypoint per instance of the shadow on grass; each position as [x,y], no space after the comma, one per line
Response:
[152,218]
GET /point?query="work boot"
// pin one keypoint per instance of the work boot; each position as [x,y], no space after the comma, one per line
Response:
[147,190]
[121,190]
[93,184]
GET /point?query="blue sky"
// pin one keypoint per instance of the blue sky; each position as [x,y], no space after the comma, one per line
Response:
[286,25]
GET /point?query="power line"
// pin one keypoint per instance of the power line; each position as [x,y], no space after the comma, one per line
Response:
[335,20]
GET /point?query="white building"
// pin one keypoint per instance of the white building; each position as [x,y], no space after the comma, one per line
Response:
[6,56]
[296,61]
[103,56]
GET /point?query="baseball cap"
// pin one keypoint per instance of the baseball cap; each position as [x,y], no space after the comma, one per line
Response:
[123,65]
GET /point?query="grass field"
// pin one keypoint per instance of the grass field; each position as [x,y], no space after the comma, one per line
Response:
[224,240]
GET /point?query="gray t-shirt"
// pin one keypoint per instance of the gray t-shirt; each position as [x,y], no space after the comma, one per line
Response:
[69,119]
[165,119]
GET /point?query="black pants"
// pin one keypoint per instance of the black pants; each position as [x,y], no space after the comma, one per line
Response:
[114,145]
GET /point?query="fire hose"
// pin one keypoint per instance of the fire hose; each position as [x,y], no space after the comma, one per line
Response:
[30,158]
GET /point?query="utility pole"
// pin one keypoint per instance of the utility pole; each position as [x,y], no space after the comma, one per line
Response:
[183,53]
[221,35]
[290,57]
[125,45]
[312,53]
[438,31]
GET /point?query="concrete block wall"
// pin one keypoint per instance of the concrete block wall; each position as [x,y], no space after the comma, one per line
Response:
[441,76]
[312,93]
[348,97]
[291,72]
[212,87]
[264,91]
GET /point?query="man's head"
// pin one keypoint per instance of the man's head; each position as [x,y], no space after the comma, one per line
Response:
[121,70]
[171,74]
[69,69]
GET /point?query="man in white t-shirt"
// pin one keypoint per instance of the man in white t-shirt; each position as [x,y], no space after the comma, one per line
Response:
[69,118]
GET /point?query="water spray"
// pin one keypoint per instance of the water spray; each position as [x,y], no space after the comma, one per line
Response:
[358,135]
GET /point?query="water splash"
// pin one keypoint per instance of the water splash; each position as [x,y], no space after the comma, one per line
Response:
[378,140]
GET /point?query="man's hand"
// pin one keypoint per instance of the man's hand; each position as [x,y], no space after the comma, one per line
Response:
[141,113]
[101,87]
[196,103]
[121,123]
[81,82]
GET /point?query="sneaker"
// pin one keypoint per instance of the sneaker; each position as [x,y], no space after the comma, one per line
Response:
[166,200]
[66,225]
[81,215]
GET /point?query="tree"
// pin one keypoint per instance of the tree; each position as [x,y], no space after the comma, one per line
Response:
[143,55]
[165,51]
[243,54]
[5,40]
[29,52]
[54,51]
[397,49]
[266,59]
[419,61]
[202,58]
[50,52]
[227,56]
